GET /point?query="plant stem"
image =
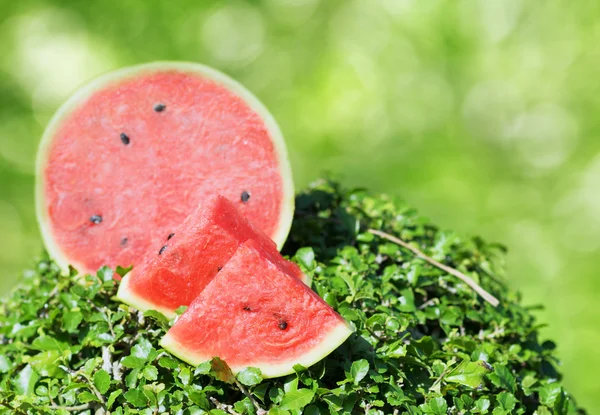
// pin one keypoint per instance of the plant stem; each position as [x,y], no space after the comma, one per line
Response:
[223,407]
[259,410]
[483,293]
[70,408]
[16,410]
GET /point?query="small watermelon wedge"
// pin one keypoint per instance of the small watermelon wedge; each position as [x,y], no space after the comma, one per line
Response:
[254,314]
[131,155]
[174,273]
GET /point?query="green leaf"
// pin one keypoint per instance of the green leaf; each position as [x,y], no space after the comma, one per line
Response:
[312,409]
[306,258]
[105,274]
[123,271]
[5,364]
[45,343]
[468,373]
[71,320]
[151,396]
[102,381]
[168,362]
[249,376]
[136,398]
[482,405]
[75,385]
[435,406]
[506,400]
[549,393]
[359,370]
[25,380]
[349,282]
[291,384]
[185,375]
[407,301]
[260,391]
[542,410]
[199,398]
[451,316]
[133,362]
[503,378]
[90,365]
[142,349]
[562,403]
[297,399]
[528,381]
[203,368]
[46,363]
[150,373]
[113,397]
[87,396]
[158,317]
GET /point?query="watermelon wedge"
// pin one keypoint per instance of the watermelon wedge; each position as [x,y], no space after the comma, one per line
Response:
[190,255]
[131,155]
[254,314]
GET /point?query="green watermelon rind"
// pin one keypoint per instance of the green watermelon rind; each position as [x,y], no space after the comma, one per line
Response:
[287,204]
[332,341]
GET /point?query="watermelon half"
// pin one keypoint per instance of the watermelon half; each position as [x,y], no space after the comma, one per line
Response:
[173,273]
[254,314]
[132,154]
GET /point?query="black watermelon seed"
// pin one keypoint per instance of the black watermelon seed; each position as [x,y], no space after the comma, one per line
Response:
[125,138]
[245,196]
[170,236]
[159,107]
[282,325]
[123,241]
[220,268]
[247,308]
[162,249]
[95,219]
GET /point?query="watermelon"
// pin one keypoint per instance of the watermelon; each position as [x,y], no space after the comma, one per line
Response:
[131,155]
[254,314]
[189,257]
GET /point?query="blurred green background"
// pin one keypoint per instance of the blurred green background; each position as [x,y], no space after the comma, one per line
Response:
[481,113]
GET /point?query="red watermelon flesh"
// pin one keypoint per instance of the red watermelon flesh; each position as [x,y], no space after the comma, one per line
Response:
[254,314]
[131,155]
[190,255]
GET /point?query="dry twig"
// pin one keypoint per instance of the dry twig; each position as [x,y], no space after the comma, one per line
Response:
[483,293]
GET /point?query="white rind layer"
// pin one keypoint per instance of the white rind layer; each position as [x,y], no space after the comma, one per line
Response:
[81,95]
[332,341]
[126,295]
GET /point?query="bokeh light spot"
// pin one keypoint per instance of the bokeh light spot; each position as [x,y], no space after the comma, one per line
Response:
[52,54]
[16,146]
[233,34]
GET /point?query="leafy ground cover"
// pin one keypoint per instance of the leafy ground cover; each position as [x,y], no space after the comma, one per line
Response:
[424,342]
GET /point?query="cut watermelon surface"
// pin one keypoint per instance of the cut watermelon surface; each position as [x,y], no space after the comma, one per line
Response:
[134,153]
[254,314]
[191,254]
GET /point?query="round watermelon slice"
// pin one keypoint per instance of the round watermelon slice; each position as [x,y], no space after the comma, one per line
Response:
[132,154]
[255,314]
